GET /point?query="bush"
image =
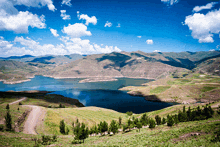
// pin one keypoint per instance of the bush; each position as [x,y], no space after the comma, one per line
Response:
[119,120]
[113,127]
[20,103]
[54,138]
[8,120]
[139,125]
[1,127]
[46,139]
[158,119]
[7,107]
[152,123]
[62,127]
[164,121]
[129,113]
[170,121]
[216,136]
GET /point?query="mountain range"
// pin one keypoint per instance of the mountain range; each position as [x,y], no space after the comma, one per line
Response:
[137,64]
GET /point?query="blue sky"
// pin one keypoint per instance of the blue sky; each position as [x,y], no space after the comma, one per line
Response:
[59,27]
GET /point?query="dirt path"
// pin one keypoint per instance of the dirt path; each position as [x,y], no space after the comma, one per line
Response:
[18,101]
[33,118]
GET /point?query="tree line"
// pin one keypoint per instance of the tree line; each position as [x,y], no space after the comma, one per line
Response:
[82,132]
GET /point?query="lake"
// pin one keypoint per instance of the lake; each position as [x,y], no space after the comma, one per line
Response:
[100,94]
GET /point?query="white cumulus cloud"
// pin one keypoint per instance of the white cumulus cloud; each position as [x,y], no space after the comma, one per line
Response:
[20,22]
[88,19]
[138,36]
[64,15]
[76,30]
[207,6]
[66,2]
[170,2]
[36,3]
[204,26]
[149,41]
[54,32]
[108,24]
[69,46]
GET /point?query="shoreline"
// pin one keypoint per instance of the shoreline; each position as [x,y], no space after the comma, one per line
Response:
[85,79]
[16,82]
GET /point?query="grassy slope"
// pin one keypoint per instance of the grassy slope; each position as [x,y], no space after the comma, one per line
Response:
[192,88]
[89,115]
[15,113]
[160,136]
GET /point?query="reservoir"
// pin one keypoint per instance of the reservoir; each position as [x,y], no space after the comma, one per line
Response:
[100,94]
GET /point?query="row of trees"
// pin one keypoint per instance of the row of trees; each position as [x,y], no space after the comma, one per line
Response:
[81,132]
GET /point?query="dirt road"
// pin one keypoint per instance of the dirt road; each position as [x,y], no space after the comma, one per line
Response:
[18,101]
[33,118]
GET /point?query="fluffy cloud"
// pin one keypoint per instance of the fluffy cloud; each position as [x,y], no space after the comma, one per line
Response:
[54,32]
[149,41]
[212,50]
[119,25]
[19,23]
[34,48]
[88,19]
[170,2]
[138,36]
[69,46]
[207,6]
[156,51]
[108,24]
[64,15]
[204,26]
[36,3]
[76,30]
[66,2]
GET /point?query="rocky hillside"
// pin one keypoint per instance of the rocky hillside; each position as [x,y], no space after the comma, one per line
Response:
[134,64]
[98,66]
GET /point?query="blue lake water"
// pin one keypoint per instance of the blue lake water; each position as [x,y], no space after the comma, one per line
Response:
[100,94]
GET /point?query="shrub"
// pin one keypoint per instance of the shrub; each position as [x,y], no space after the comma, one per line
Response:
[119,120]
[54,138]
[144,119]
[8,120]
[125,127]
[152,123]
[7,107]
[1,127]
[46,139]
[62,127]
[216,136]
[170,121]
[20,103]
[113,127]
[139,125]
[158,119]
[164,121]
[129,113]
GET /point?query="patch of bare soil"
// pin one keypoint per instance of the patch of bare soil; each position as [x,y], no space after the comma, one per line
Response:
[188,135]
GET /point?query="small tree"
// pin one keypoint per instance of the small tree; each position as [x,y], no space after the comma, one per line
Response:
[8,121]
[176,120]
[164,120]
[84,132]
[7,107]
[113,127]
[62,127]
[152,123]
[144,119]
[139,125]
[170,120]
[129,113]
[119,121]
[104,126]
[158,119]
[77,131]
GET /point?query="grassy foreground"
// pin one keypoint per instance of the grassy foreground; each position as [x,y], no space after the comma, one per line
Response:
[182,134]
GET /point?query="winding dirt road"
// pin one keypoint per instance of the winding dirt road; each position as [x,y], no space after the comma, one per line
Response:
[33,117]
